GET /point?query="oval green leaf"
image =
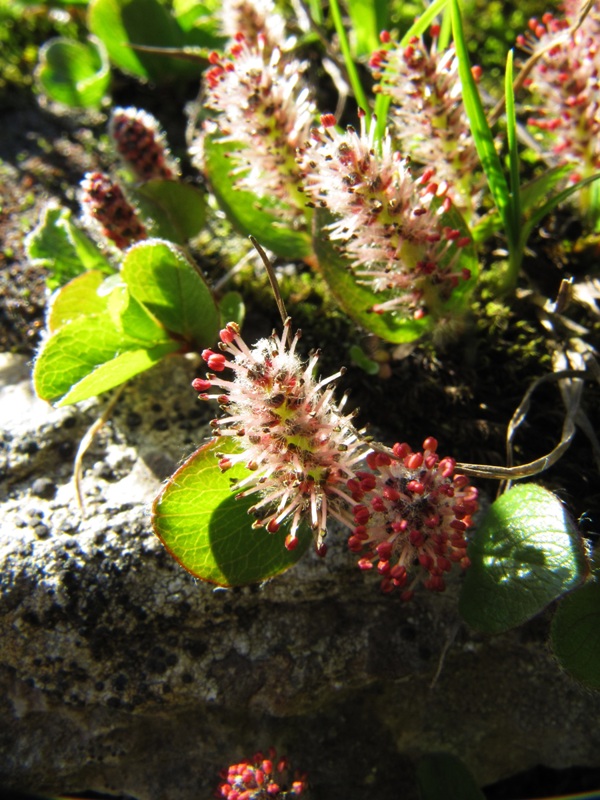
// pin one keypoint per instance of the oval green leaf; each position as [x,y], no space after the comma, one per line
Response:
[91,354]
[526,553]
[177,211]
[74,73]
[64,250]
[120,24]
[209,532]
[77,299]
[160,277]
[442,776]
[576,634]
[251,215]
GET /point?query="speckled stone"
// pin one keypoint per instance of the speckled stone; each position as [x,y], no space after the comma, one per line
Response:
[120,672]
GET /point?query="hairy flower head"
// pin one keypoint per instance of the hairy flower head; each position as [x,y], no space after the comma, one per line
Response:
[300,447]
[566,80]
[389,221]
[412,512]
[263,107]
[261,778]
[254,19]
[430,122]
[141,144]
[107,211]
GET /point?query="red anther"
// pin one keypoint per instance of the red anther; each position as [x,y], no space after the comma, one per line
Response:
[239,37]
[360,532]
[201,385]
[399,573]
[416,538]
[459,525]
[383,568]
[387,586]
[384,550]
[425,560]
[321,550]
[419,313]
[401,450]
[368,482]
[378,505]
[382,460]
[214,58]
[446,467]
[416,487]
[476,72]
[259,776]
[272,789]
[365,564]
[464,241]
[432,521]
[355,544]
[273,526]
[446,205]
[391,494]
[434,31]
[431,461]
[384,37]
[227,335]
[328,120]
[291,541]
[361,514]
[225,464]
[413,461]
[427,175]
[444,564]
[430,444]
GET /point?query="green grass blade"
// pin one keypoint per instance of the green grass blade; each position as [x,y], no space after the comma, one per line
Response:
[482,134]
[423,22]
[539,215]
[513,150]
[357,88]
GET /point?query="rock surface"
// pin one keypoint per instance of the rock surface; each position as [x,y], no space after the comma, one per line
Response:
[120,672]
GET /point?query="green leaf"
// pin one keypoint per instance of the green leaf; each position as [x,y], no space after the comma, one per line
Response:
[160,277]
[208,531]
[58,245]
[482,134]
[576,634]
[442,776]
[74,73]
[526,553]
[538,189]
[77,299]
[554,201]
[249,214]
[232,308]
[91,354]
[357,299]
[513,146]
[123,23]
[177,211]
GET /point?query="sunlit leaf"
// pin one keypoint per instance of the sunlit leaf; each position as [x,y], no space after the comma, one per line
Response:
[525,553]
[209,532]
[77,299]
[74,73]
[64,250]
[249,214]
[159,276]
[177,210]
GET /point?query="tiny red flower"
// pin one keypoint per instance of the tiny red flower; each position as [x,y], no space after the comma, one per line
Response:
[412,513]
[261,778]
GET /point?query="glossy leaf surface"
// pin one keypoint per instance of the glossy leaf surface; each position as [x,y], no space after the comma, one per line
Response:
[74,73]
[525,553]
[160,277]
[177,210]
[209,532]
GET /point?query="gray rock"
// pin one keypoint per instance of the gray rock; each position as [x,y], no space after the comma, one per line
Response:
[121,672]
